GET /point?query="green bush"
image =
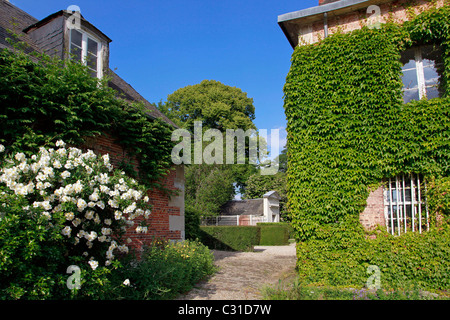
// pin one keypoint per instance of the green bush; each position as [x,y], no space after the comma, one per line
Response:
[60,208]
[274,234]
[165,270]
[233,238]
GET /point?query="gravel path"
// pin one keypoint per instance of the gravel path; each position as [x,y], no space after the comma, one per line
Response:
[241,275]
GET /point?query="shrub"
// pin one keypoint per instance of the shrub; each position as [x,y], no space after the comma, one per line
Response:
[273,234]
[167,269]
[59,208]
[233,238]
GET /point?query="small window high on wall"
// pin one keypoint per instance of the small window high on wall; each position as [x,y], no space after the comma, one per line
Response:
[405,208]
[422,69]
[87,50]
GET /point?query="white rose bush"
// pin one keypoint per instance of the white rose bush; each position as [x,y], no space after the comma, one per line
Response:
[64,206]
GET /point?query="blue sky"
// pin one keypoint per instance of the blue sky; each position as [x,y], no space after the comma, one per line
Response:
[160,46]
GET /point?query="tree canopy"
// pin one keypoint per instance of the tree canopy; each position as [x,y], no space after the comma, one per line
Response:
[217,105]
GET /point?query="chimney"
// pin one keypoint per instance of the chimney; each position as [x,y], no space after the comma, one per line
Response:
[322,2]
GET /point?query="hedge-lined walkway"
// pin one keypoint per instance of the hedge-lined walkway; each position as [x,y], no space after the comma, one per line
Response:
[241,275]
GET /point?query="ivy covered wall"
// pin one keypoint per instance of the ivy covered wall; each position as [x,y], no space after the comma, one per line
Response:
[348,129]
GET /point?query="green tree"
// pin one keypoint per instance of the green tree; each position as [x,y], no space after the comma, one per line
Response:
[217,105]
[221,107]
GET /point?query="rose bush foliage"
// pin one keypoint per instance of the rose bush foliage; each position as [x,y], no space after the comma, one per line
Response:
[64,207]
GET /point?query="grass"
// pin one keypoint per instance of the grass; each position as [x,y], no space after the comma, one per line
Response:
[292,289]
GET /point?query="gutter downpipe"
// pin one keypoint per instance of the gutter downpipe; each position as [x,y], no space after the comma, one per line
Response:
[325,23]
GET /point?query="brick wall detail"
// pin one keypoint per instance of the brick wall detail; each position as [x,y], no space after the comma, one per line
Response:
[395,10]
[373,214]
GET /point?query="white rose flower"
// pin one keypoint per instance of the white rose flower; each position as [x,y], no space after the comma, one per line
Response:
[106,231]
[94,197]
[76,222]
[2,148]
[89,214]
[57,164]
[81,204]
[69,216]
[20,156]
[93,264]
[66,231]
[126,282]
[60,143]
[117,215]
[65,174]
[46,215]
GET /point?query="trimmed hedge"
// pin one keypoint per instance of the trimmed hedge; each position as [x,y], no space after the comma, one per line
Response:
[231,238]
[274,233]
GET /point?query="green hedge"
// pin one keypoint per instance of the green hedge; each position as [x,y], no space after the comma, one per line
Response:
[274,234]
[232,238]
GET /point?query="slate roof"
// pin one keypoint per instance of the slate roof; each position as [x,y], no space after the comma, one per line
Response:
[13,18]
[243,207]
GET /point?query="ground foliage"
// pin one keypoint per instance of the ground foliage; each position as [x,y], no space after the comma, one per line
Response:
[348,129]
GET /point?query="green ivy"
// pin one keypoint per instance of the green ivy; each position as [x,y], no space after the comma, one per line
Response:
[45,99]
[348,129]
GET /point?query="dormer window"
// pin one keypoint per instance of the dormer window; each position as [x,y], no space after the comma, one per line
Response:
[86,49]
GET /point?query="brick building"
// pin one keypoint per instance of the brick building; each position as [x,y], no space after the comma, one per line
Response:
[400,198]
[68,32]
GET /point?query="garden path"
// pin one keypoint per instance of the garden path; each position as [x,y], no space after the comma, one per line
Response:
[242,275]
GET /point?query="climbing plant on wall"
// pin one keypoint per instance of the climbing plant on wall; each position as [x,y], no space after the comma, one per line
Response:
[348,129]
[45,99]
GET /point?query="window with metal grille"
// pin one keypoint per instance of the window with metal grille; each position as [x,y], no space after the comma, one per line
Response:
[405,209]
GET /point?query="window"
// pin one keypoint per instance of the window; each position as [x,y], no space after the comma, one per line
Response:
[404,206]
[87,50]
[422,68]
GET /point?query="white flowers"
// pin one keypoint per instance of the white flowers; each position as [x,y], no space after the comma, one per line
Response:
[140,229]
[80,192]
[81,205]
[66,231]
[60,143]
[65,174]
[93,264]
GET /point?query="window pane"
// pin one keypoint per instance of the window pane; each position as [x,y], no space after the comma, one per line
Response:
[92,47]
[76,37]
[92,61]
[431,76]
[76,52]
[433,92]
[409,79]
[409,95]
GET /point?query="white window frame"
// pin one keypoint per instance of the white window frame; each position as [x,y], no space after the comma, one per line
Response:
[84,52]
[420,74]
[397,220]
